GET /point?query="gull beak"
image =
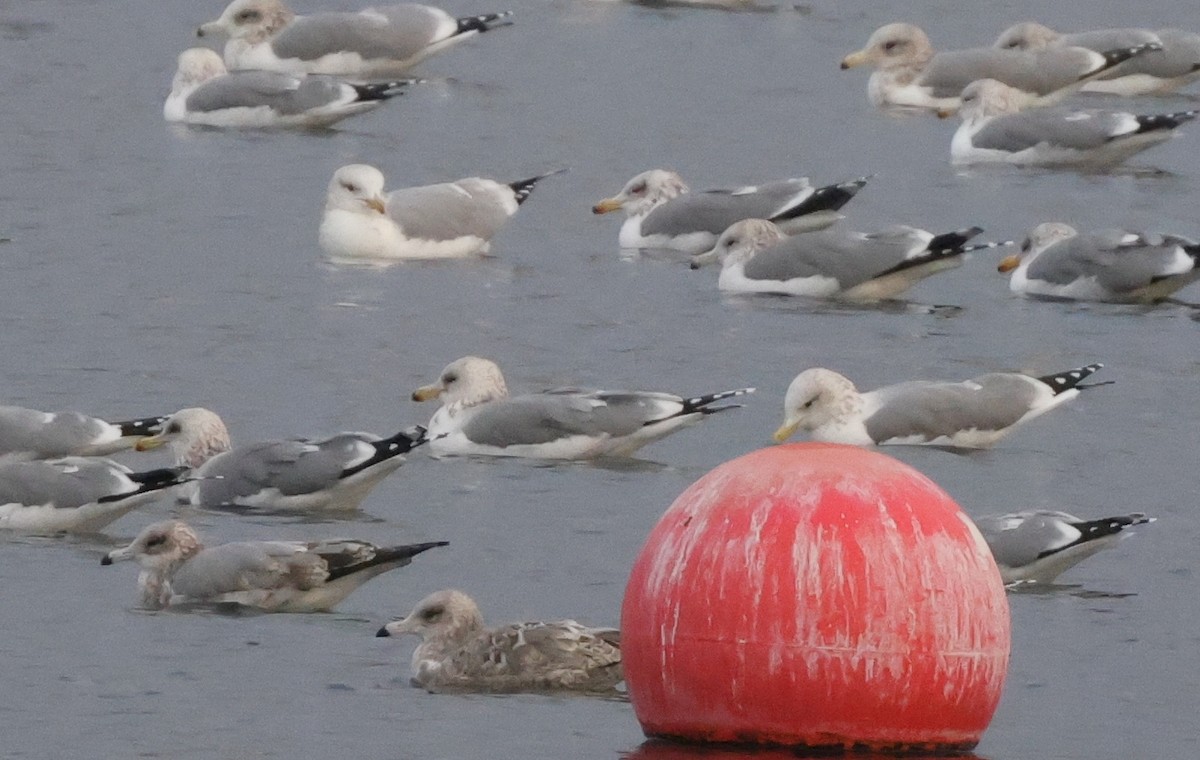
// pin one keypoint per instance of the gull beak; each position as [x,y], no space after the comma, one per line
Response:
[427,392]
[856,59]
[946,113]
[117,555]
[702,259]
[785,431]
[394,628]
[375,203]
[1008,263]
[149,442]
[211,28]
[606,206]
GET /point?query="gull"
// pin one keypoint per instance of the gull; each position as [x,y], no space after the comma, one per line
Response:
[1157,72]
[447,220]
[1038,546]
[757,257]
[334,473]
[274,576]
[76,494]
[457,653]
[373,43]
[33,434]
[1057,261]
[973,413]
[205,93]
[994,129]
[478,416]
[908,74]
[661,212]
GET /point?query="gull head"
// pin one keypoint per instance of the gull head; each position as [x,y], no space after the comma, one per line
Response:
[448,615]
[1039,239]
[1028,35]
[358,188]
[817,397]
[197,66]
[251,20]
[892,46]
[739,242]
[464,383]
[194,436]
[985,98]
[642,193]
[160,547]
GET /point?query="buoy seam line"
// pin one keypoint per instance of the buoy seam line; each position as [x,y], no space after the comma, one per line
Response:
[853,650]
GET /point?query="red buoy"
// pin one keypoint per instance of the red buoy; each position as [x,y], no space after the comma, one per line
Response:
[816,595]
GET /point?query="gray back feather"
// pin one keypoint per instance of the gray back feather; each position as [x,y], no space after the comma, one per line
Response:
[442,212]
[1041,72]
[714,210]
[545,417]
[934,409]
[283,93]
[42,482]
[293,467]
[27,430]
[1117,266]
[410,29]
[851,258]
[1018,131]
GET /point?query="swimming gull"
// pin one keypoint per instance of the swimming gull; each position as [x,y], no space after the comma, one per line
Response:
[76,494]
[995,130]
[370,44]
[1038,546]
[33,434]
[661,213]
[908,74]
[974,413]
[756,257]
[275,576]
[457,653]
[478,416]
[1057,261]
[299,474]
[1163,71]
[204,92]
[447,220]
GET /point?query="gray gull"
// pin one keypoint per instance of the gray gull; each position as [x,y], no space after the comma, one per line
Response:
[34,434]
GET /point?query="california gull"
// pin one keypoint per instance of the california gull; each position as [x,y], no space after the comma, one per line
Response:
[757,257]
[994,129]
[205,93]
[457,653]
[974,413]
[373,43]
[661,213]
[334,473]
[76,494]
[1176,65]
[1037,546]
[908,74]
[274,576]
[478,416]
[447,220]
[33,434]
[1057,261]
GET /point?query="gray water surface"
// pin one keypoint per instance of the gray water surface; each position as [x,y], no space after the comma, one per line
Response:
[154,268]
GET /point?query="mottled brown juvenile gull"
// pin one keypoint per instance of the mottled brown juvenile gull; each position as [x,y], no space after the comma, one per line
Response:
[994,129]
[457,653]
[973,413]
[1057,261]
[447,220]
[756,257]
[274,576]
[33,434]
[370,44]
[205,93]
[299,474]
[661,212]
[908,74]
[478,416]
[1176,65]
[76,494]
[1038,546]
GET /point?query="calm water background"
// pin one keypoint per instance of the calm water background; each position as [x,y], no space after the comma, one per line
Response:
[152,268]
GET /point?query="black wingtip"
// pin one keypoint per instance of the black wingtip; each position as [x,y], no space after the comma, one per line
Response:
[704,403]
[952,241]
[143,426]
[411,550]
[373,91]
[1073,378]
[1120,55]
[523,187]
[483,23]
[1159,121]
[827,198]
[1092,530]
[150,480]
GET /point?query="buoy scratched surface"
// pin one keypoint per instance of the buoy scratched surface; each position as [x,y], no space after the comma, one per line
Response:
[816,595]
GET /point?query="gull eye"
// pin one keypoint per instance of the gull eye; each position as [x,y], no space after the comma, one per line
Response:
[808,404]
[731,242]
[432,613]
[174,427]
[449,377]
[246,17]
[156,540]
[891,45]
[350,187]
[638,189]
